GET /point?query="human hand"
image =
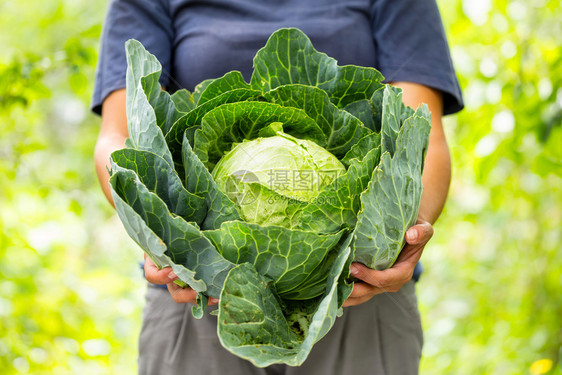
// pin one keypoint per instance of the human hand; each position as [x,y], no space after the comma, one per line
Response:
[372,282]
[167,276]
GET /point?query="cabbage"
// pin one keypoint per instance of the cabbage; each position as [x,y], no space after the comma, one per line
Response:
[264,174]
[261,194]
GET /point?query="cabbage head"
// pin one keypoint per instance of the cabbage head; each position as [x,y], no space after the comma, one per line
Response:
[261,194]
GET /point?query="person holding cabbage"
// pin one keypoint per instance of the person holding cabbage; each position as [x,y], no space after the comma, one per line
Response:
[380,330]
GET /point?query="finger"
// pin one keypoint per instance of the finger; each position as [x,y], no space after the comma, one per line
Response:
[213,301]
[419,233]
[361,290]
[385,280]
[157,276]
[369,276]
[350,302]
[182,295]
[409,256]
[354,301]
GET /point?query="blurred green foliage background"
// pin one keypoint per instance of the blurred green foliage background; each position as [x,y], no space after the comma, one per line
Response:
[71,292]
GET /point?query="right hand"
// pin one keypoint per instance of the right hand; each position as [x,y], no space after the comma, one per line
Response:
[167,276]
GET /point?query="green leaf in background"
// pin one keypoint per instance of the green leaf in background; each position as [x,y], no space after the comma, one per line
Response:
[550,160]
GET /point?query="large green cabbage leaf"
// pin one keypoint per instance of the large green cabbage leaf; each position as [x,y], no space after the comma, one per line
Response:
[279,266]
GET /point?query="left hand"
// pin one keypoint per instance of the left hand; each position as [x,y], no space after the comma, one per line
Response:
[373,282]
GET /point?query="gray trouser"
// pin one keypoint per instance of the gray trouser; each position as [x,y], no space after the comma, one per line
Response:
[382,336]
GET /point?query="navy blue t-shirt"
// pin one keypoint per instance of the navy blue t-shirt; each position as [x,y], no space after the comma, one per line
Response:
[196,40]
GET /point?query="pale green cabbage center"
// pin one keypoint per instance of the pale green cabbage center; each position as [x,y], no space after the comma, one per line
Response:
[292,168]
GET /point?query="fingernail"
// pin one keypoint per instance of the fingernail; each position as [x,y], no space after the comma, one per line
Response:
[172,275]
[353,270]
[213,300]
[411,235]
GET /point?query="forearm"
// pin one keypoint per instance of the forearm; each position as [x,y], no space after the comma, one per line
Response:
[113,134]
[104,147]
[436,179]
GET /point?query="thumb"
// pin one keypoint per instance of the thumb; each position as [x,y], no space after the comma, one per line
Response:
[157,276]
[419,233]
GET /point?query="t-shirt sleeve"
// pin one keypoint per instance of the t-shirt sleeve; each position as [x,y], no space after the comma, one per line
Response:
[147,21]
[412,46]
